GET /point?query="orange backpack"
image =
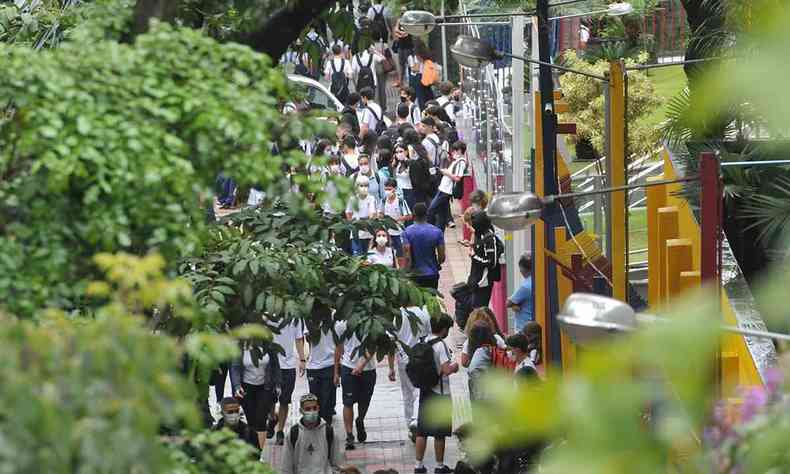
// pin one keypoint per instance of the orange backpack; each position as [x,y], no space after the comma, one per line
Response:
[430,74]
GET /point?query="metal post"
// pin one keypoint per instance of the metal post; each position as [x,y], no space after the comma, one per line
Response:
[617,177]
[444,47]
[550,185]
[710,245]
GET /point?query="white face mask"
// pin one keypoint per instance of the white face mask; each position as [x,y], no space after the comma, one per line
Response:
[362,191]
[381,241]
[231,419]
[310,416]
[388,193]
[364,169]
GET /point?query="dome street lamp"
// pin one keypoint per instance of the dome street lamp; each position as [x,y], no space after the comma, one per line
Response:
[514,211]
[588,318]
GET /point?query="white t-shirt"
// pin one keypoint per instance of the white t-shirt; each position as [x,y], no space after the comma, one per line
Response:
[405,333]
[402,177]
[254,375]
[362,209]
[370,114]
[415,115]
[387,258]
[351,160]
[322,355]
[500,343]
[340,64]
[349,346]
[393,210]
[432,145]
[441,355]
[360,60]
[457,168]
[287,339]
[381,9]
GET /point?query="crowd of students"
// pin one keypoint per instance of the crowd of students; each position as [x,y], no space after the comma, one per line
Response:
[410,169]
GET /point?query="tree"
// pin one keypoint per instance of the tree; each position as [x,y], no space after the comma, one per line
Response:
[110,147]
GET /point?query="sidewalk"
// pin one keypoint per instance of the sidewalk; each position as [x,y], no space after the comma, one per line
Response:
[388,445]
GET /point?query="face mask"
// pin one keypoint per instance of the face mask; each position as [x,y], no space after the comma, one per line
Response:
[404,99]
[310,416]
[381,240]
[231,419]
[362,191]
[388,193]
[364,169]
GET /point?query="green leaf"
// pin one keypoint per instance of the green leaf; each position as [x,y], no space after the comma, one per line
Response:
[247,295]
[260,302]
[254,265]
[239,267]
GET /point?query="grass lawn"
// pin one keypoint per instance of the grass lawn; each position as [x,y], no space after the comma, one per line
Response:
[667,82]
[637,230]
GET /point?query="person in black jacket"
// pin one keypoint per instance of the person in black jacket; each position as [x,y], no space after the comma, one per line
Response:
[256,378]
[419,167]
[485,254]
[231,419]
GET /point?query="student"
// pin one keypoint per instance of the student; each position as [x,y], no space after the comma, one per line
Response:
[338,72]
[446,101]
[519,347]
[381,251]
[521,300]
[397,208]
[349,157]
[409,338]
[375,186]
[321,365]
[439,211]
[423,249]
[255,378]
[363,66]
[401,173]
[357,372]
[291,339]
[534,334]
[408,97]
[311,446]
[481,340]
[440,328]
[487,317]
[361,207]
[419,168]
[485,254]
[372,121]
[231,419]
[431,142]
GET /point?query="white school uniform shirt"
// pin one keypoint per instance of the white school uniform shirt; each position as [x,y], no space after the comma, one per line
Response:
[447,104]
[500,343]
[394,210]
[322,354]
[370,118]
[381,9]
[361,59]
[415,114]
[362,209]
[441,355]
[402,178]
[287,340]
[386,258]
[340,64]
[349,346]
[251,374]
[457,168]
[409,337]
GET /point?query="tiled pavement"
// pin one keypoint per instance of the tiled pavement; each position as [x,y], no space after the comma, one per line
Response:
[388,445]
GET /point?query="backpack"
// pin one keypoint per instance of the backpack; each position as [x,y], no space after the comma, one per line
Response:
[381,127]
[378,27]
[495,269]
[330,438]
[365,76]
[349,116]
[301,68]
[421,368]
[500,359]
[339,86]
[463,294]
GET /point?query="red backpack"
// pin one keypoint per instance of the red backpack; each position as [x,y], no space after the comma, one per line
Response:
[500,359]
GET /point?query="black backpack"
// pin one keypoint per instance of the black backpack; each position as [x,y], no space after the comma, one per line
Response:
[349,116]
[381,127]
[421,368]
[378,27]
[365,76]
[339,80]
[301,68]
[330,438]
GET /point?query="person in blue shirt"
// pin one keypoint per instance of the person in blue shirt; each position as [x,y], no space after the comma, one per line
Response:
[423,248]
[521,301]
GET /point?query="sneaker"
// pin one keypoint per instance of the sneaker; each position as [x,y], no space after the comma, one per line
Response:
[362,435]
[420,470]
[442,470]
[280,438]
[270,426]
[350,442]
[451,224]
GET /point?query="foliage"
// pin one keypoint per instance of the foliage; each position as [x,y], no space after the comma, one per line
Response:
[40,25]
[586,100]
[110,146]
[91,395]
[272,263]
[214,451]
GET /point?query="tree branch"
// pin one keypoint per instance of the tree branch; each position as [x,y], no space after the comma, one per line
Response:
[283,27]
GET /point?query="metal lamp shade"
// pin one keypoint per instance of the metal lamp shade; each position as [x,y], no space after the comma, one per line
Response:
[472,52]
[514,211]
[418,22]
[587,318]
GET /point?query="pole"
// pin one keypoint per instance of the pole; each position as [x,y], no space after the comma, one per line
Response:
[550,185]
[616,165]
[444,48]
[710,238]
